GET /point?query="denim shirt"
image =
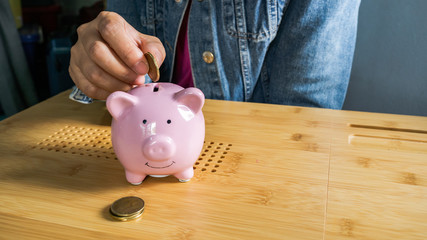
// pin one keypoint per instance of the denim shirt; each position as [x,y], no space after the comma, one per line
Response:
[294,52]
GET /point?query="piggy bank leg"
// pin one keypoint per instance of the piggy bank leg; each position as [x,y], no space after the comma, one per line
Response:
[134,178]
[185,175]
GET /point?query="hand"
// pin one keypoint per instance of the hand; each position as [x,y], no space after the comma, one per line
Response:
[109,56]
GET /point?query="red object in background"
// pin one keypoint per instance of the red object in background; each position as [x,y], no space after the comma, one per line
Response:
[46,16]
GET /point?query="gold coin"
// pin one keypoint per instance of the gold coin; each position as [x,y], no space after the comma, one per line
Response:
[127,208]
[153,67]
[128,218]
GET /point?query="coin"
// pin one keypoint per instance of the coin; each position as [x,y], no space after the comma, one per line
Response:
[124,219]
[127,208]
[153,67]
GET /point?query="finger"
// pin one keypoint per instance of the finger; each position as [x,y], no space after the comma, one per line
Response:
[117,33]
[108,60]
[83,84]
[150,44]
[99,77]
[128,43]
[154,46]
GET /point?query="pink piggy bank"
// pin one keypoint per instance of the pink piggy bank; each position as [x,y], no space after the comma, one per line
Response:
[158,130]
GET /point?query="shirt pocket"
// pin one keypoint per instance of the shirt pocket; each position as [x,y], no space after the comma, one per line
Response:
[256,20]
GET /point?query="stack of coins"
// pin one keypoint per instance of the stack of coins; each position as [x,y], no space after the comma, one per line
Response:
[153,67]
[127,208]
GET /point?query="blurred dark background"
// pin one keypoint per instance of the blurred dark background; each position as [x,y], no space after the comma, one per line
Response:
[46,32]
[389,73]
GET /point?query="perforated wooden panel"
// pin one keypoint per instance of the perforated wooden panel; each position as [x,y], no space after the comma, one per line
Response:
[212,156]
[96,143]
[91,142]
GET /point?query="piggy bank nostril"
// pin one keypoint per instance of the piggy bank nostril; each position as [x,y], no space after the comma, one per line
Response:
[158,150]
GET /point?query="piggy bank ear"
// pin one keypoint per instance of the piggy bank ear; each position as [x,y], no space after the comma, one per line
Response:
[119,103]
[192,98]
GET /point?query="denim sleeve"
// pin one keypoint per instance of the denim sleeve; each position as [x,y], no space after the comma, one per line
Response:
[309,61]
[130,10]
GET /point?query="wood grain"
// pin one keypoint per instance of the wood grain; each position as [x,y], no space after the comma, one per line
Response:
[377,181]
[266,172]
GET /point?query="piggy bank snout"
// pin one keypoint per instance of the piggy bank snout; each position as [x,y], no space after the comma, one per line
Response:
[159,148]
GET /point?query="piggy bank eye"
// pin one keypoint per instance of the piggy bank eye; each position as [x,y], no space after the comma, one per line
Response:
[169,121]
[144,121]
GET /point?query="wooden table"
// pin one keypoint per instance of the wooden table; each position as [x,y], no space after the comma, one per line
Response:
[266,172]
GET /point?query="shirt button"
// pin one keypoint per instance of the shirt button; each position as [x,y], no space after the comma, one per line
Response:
[208,57]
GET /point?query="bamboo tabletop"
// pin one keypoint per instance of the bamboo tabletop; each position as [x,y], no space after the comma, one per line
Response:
[265,172]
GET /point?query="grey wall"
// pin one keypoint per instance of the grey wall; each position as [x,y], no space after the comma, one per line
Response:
[389,73]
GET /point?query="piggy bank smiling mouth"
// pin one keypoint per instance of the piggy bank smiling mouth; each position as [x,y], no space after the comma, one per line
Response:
[148,165]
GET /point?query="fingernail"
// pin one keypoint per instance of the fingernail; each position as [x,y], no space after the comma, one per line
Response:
[140,80]
[141,68]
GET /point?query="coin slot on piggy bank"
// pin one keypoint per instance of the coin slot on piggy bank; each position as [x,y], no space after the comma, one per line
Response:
[157,130]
